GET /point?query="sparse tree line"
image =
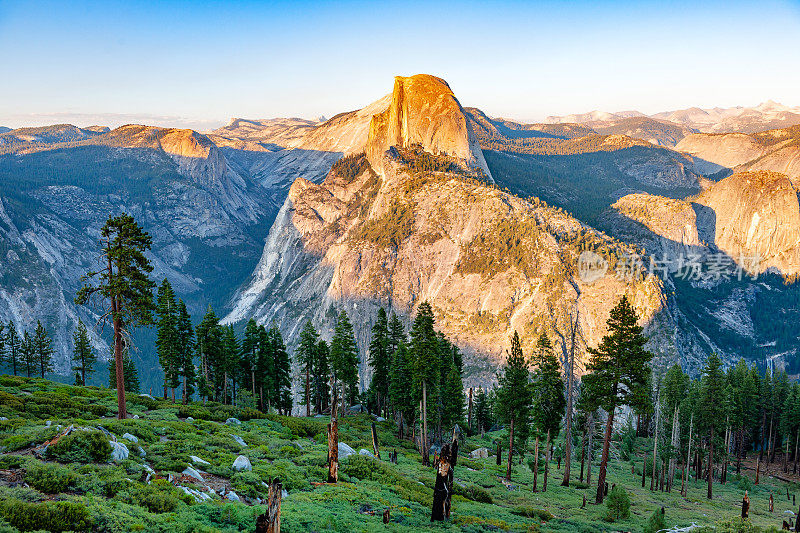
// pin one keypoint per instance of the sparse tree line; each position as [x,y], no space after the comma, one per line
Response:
[25,353]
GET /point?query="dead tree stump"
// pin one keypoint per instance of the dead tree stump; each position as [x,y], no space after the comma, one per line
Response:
[386,516]
[440,491]
[451,473]
[270,521]
[333,451]
[745,505]
[499,454]
[771,504]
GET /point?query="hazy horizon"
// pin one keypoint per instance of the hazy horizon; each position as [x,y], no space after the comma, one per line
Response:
[198,65]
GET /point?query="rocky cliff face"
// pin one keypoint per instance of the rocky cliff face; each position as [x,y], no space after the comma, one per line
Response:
[397,234]
[772,150]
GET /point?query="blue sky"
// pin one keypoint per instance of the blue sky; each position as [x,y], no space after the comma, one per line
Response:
[199,63]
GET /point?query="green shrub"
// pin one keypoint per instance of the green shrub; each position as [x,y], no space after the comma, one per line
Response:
[473,492]
[47,516]
[49,478]
[247,483]
[11,461]
[656,522]
[81,447]
[11,401]
[9,381]
[300,427]
[619,505]
[157,497]
[97,410]
[530,512]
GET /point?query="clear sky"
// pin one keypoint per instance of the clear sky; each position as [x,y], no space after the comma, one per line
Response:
[199,63]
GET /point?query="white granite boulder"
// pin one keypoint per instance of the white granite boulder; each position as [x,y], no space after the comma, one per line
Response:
[241,464]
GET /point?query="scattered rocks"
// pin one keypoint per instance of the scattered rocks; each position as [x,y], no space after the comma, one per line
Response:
[239,440]
[149,469]
[366,452]
[189,419]
[380,419]
[233,422]
[242,463]
[480,453]
[192,473]
[345,451]
[135,417]
[196,494]
[3,418]
[163,439]
[196,460]
[119,452]
[132,438]
[147,396]
[141,451]
[232,496]
[48,423]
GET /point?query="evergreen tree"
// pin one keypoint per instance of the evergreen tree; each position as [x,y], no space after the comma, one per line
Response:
[306,355]
[167,336]
[549,400]
[322,376]
[712,407]
[124,284]
[248,356]
[230,347]
[208,343]
[400,385]
[83,356]
[425,363]
[27,353]
[2,343]
[673,391]
[13,345]
[379,360]
[514,396]
[282,381]
[344,358]
[185,353]
[483,415]
[265,369]
[43,349]
[618,374]
[397,333]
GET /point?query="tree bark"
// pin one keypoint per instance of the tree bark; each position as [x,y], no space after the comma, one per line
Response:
[308,394]
[510,450]
[440,490]
[583,455]
[710,460]
[469,413]
[375,448]
[675,450]
[451,475]
[570,387]
[546,462]
[653,482]
[589,450]
[536,464]
[333,442]
[425,447]
[270,521]
[601,477]
[122,412]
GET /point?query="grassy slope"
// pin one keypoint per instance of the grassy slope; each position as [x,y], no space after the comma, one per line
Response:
[294,450]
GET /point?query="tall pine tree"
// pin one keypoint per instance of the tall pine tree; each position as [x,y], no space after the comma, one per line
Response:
[306,355]
[43,349]
[514,397]
[83,356]
[13,345]
[425,363]
[550,402]
[185,355]
[379,360]
[344,359]
[618,374]
[167,335]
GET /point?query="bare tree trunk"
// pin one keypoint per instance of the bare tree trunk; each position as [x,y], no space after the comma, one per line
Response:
[375,448]
[536,464]
[510,450]
[653,483]
[601,478]
[684,487]
[796,440]
[444,468]
[469,412]
[122,412]
[710,460]
[570,387]
[270,522]
[674,441]
[451,475]
[589,450]
[583,455]
[425,447]
[333,442]
[546,462]
[308,394]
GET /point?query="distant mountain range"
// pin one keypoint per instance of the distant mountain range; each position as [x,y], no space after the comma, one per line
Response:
[484,217]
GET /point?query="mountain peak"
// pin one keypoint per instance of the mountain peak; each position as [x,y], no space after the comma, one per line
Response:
[424,111]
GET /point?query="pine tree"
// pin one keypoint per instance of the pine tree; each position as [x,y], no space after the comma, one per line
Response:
[43,349]
[248,356]
[27,354]
[452,391]
[129,372]
[425,363]
[265,369]
[322,376]
[282,381]
[514,398]
[379,360]
[13,345]
[711,410]
[548,391]
[230,347]
[167,336]
[306,355]
[483,415]
[124,284]
[208,343]
[401,386]
[185,355]
[344,358]
[83,356]
[674,388]
[618,374]
[2,343]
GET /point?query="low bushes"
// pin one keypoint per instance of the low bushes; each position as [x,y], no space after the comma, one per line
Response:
[81,447]
[157,497]
[473,492]
[530,512]
[49,478]
[300,427]
[618,503]
[47,516]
